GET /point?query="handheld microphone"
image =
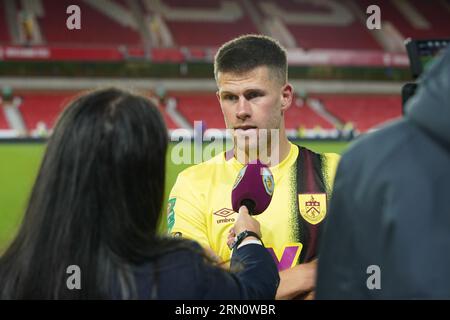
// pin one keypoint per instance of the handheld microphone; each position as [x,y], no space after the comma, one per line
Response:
[253,188]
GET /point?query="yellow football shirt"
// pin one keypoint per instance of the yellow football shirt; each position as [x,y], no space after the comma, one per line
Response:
[200,207]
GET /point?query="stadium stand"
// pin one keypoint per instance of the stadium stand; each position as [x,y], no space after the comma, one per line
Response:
[201,107]
[43,107]
[379,109]
[364,111]
[190,33]
[98,28]
[3,123]
[222,21]
[316,26]
[4,34]
[46,106]
[334,25]
[305,117]
[169,122]
[415,18]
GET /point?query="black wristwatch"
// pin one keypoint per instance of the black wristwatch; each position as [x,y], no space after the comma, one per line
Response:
[244,234]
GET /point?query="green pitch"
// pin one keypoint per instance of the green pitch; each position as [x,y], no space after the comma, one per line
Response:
[19,164]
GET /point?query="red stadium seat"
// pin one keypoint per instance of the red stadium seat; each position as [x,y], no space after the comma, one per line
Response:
[435,13]
[96,28]
[326,35]
[46,107]
[43,107]
[201,106]
[3,123]
[327,25]
[192,33]
[365,111]
[4,33]
[167,119]
[304,117]
[195,107]
[201,33]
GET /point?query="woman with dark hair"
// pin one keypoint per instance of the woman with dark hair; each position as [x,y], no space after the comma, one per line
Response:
[96,204]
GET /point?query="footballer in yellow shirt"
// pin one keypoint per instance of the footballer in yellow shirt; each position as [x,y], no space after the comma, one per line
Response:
[251,73]
[200,204]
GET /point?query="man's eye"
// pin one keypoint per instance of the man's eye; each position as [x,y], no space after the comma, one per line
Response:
[230,97]
[252,95]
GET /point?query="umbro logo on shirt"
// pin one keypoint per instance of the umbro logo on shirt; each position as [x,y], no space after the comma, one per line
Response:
[224,213]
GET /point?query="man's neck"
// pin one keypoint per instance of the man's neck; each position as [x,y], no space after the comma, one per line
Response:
[277,154]
[284,147]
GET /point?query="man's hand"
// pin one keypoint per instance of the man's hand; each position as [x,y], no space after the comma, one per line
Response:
[246,222]
[243,222]
[231,238]
[298,282]
[309,296]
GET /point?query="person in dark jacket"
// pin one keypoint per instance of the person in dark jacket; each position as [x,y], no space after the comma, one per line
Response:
[90,228]
[388,233]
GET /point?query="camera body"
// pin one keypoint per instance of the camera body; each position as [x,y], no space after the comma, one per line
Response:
[420,53]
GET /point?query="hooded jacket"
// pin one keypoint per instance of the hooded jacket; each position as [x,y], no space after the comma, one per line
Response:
[429,109]
[388,229]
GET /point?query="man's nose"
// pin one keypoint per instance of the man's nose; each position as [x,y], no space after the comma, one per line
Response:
[243,110]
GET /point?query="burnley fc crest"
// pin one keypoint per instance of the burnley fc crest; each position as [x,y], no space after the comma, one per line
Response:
[313,206]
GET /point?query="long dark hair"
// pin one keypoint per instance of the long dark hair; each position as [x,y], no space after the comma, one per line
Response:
[96,202]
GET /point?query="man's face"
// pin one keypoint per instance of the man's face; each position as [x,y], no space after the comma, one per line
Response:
[252,101]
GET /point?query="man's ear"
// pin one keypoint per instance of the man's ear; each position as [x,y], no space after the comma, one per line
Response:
[218,95]
[287,94]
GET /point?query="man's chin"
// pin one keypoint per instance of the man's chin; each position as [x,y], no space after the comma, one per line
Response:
[246,134]
[247,153]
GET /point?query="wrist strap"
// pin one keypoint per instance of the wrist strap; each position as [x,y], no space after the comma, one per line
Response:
[244,234]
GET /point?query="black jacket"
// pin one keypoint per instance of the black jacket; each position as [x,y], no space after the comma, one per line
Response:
[391,205]
[184,274]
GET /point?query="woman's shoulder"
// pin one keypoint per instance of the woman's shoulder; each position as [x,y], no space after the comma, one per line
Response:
[182,271]
[181,255]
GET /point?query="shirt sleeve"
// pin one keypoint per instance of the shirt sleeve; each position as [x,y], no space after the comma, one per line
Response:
[186,211]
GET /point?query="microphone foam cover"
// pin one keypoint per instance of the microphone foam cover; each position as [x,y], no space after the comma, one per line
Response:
[253,188]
